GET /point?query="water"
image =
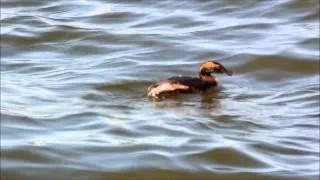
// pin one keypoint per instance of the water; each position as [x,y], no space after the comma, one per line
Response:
[74,76]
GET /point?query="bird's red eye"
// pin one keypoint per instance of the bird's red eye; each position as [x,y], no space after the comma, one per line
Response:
[216,70]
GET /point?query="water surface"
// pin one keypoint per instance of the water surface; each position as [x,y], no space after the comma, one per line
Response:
[74,76]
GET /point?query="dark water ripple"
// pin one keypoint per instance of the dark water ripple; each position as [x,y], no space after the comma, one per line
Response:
[74,76]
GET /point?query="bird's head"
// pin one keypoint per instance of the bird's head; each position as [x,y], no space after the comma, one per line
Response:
[209,67]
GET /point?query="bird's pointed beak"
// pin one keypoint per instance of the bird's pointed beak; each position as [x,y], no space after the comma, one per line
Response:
[228,72]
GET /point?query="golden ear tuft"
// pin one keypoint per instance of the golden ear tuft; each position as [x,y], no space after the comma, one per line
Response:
[209,65]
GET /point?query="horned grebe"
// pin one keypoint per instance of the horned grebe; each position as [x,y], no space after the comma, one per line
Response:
[205,83]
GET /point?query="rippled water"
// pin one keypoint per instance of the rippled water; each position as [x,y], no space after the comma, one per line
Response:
[74,76]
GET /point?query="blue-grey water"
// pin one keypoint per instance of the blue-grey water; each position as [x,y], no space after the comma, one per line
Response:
[74,76]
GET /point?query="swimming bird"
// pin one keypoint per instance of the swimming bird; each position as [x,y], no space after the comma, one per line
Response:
[204,83]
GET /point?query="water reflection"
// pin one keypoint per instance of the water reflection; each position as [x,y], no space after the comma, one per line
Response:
[198,105]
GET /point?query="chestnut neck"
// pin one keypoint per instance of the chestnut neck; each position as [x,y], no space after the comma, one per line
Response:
[207,77]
